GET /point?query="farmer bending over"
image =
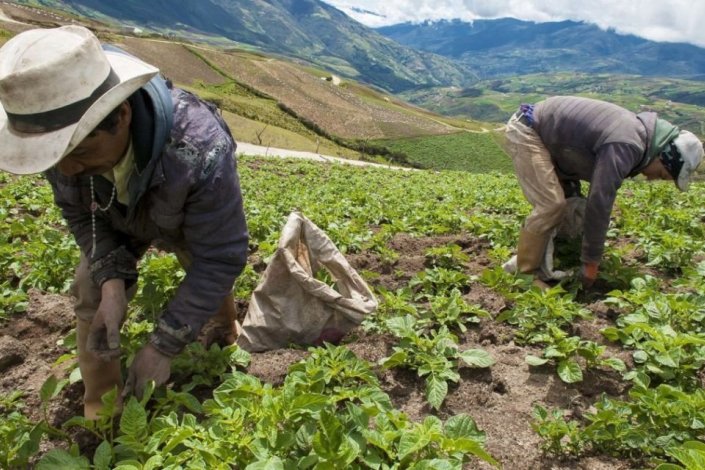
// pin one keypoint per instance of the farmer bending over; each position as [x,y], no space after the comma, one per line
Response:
[560,141]
[133,163]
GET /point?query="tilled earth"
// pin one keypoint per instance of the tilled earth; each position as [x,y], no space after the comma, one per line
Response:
[500,399]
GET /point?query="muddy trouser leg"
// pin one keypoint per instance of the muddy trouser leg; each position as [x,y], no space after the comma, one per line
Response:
[222,327]
[98,376]
[541,187]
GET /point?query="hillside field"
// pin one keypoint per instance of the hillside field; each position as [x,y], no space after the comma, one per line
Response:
[475,152]
[461,366]
[679,101]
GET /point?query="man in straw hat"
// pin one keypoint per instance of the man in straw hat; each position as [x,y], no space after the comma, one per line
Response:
[564,139]
[133,163]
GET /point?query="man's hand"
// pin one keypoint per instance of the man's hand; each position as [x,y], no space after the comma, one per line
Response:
[149,364]
[104,333]
[588,274]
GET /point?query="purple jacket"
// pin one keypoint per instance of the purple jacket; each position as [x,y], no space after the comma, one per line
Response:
[184,195]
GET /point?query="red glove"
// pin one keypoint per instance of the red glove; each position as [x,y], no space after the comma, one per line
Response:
[588,274]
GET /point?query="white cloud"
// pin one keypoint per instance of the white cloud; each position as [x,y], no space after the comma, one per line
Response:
[664,20]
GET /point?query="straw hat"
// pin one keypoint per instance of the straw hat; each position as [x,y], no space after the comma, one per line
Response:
[56,86]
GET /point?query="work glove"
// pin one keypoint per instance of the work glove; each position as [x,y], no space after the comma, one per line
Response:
[149,364]
[104,332]
[588,274]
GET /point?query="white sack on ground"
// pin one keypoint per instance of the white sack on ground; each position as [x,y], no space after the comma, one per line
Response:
[291,306]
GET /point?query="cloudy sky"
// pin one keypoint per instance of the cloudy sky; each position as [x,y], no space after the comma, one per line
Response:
[658,20]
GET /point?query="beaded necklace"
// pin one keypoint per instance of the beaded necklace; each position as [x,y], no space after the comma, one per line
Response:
[95,207]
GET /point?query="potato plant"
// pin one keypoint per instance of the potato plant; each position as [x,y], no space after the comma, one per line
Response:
[330,411]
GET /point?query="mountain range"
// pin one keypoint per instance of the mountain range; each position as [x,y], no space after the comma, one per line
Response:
[279,99]
[478,70]
[401,57]
[502,47]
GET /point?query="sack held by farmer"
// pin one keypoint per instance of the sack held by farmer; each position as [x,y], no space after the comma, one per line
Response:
[560,141]
[133,163]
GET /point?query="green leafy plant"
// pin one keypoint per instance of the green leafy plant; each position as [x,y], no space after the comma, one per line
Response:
[560,437]
[690,454]
[160,275]
[449,257]
[452,311]
[649,422]
[569,351]
[197,366]
[434,355]
[19,437]
[438,281]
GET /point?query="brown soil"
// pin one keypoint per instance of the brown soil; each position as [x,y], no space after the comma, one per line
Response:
[336,110]
[500,398]
[174,60]
[341,112]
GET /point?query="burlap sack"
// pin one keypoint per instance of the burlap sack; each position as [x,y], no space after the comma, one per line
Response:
[291,306]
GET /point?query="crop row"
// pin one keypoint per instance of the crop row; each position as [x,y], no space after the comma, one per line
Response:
[327,419]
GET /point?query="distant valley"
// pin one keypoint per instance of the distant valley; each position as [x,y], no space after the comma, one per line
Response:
[510,47]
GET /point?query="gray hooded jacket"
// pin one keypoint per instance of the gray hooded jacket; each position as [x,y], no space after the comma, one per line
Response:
[599,142]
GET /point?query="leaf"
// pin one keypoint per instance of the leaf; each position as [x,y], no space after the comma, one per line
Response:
[239,357]
[692,460]
[75,376]
[304,436]
[569,371]
[51,388]
[611,333]
[477,357]
[177,438]
[396,359]
[103,456]
[129,465]
[436,391]
[411,442]
[155,462]
[433,464]
[639,378]
[535,360]
[615,363]
[59,458]
[473,447]
[697,424]
[134,419]
[309,402]
[695,445]
[272,463]
[463,426]
[80,421]
[666,359]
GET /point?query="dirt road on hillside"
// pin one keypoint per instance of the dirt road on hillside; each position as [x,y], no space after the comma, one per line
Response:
[244,148]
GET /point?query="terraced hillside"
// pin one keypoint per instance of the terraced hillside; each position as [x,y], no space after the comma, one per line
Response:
[271,102]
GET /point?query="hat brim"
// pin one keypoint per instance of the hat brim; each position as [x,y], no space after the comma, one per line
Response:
[27,153]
